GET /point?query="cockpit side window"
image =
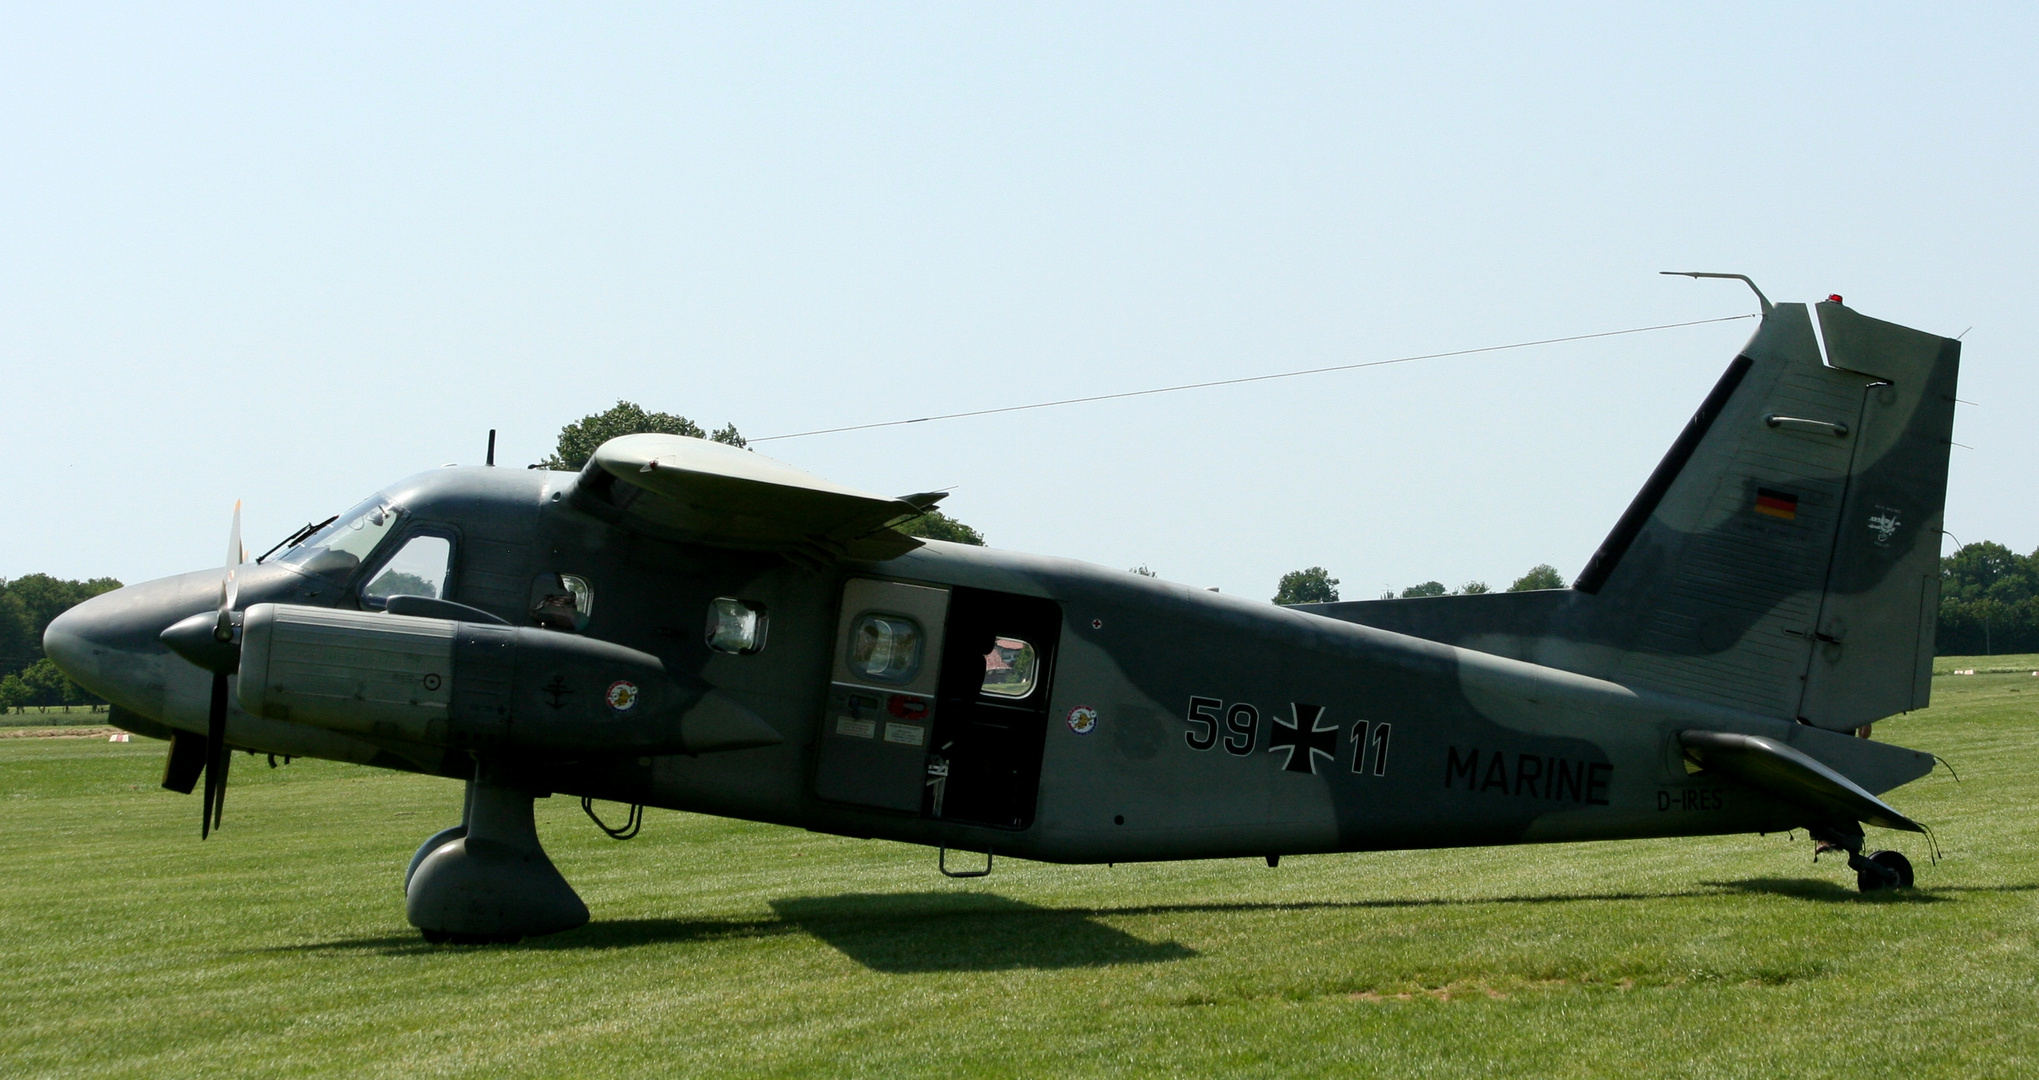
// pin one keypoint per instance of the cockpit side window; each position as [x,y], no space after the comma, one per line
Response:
[338,550]
[421,567]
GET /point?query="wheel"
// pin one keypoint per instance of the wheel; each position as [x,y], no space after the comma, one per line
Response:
[1895,861]
[1889,865]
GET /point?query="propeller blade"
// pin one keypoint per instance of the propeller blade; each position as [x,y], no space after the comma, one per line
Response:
[230,586]
[219,801]
[216,758]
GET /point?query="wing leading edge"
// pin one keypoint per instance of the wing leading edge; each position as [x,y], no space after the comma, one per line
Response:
[729,497]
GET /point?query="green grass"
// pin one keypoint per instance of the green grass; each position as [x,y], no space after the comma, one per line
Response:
[2001,664]
[279,947]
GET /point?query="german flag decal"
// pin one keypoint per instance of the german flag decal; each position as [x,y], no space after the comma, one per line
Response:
[1781,505]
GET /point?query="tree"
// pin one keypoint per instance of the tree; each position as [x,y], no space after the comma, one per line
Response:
[578,440]
[1141,570]
[1474,588]
[1428,588]
[1988,569]
[935,525]
[1312,586]
[1540,576]
[48,686]
[398,583]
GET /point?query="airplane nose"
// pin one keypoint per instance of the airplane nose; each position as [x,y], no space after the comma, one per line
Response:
[66,641]
[109,644]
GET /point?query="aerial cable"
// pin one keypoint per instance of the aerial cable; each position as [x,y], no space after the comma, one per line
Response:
[1253,378]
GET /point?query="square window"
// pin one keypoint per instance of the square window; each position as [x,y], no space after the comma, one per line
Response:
[562,602]
[885,648]
[735,626]
[1011,668]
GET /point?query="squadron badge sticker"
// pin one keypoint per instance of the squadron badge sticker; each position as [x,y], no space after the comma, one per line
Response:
[1884,524]
[1083,719]
[622,695]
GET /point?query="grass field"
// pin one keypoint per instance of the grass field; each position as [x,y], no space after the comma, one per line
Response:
[279,947]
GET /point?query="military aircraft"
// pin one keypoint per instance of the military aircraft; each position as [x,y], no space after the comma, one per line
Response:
[688,625]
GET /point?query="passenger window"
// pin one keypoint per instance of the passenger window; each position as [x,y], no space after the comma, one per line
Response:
[1011,668]
[885,648]
[735,626]
[562,602]
[419,568]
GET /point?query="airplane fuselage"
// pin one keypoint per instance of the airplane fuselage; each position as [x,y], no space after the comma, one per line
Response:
[1165,722]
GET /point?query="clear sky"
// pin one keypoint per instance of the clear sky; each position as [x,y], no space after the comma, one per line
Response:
[292,253]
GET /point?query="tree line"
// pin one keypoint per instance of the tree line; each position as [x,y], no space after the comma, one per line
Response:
[1989,597]
[1315,585]
[1989,601]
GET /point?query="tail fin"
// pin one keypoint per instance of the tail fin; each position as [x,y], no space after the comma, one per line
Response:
[1784,556]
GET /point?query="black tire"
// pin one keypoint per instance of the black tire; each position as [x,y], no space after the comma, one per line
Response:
[1895,861]
[1892,871]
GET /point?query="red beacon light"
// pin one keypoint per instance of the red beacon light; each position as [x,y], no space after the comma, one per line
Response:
[1833,298]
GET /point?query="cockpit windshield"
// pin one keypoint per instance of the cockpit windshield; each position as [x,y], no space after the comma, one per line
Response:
[336,551]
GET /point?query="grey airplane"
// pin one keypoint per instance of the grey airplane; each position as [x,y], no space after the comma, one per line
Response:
[692,626]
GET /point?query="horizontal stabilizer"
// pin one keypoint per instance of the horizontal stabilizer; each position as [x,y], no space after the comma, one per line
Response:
[722,495]
[1783,773]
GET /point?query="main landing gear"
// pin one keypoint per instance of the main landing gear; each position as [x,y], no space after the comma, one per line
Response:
[487,879]
[1874,871]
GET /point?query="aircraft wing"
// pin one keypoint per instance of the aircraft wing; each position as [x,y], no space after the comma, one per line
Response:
[729,497]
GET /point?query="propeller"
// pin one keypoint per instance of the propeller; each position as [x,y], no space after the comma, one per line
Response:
[208,640]
[216,719]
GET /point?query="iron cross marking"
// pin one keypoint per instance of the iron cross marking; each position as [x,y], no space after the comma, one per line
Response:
[1304,739]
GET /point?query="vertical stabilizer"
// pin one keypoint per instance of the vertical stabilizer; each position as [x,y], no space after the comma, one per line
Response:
[1782,558]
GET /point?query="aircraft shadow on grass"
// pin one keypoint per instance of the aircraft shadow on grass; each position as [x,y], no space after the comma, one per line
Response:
[916,932]
[892,932]
[921,932]
[1835,893]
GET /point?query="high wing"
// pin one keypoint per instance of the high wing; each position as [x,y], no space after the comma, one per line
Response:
[720,495]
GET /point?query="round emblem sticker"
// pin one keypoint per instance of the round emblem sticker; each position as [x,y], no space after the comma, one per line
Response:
[1083,719]
[622,695]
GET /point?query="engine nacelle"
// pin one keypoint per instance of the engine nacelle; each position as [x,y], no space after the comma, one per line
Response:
[478,686]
